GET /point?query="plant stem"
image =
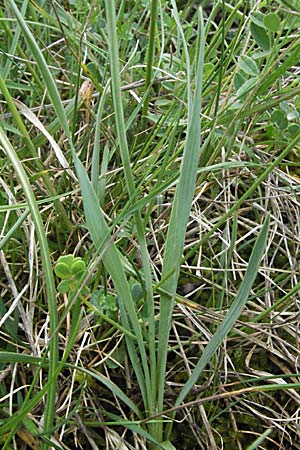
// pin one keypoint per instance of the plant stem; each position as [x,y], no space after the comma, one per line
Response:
[150,59]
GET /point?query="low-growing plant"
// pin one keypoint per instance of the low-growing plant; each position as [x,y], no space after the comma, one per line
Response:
[160,184]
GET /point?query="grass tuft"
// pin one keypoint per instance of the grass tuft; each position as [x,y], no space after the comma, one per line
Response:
[149,223]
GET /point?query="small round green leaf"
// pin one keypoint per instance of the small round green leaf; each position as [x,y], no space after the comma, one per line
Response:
[294,129]
[272,22]
[66,259]
[279,118]
[208,68]
[137,292]
[64,286]
[62,270]
[78,267]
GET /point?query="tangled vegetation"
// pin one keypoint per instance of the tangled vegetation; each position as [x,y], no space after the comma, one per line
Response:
[150,224]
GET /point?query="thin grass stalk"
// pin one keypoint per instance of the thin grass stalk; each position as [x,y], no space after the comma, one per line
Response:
[150,59]
[113,263]
[232,315]
[96,148]
[18,120]
[48,273]
[121,132]
[14,228]
[178,222]
[32,149]
[270,167]
[221,61]
[14,43]
[94,216]
[187,58]
[260,439]
[42,65]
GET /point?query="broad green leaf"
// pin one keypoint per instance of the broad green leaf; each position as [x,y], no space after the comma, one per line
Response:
[272,22]
[246,87]
[248,65]
[294,129]
[260,36]
[208,69]
[257,17]
[239,80]
[279,118]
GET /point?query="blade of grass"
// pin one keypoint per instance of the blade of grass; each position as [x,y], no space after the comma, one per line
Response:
[234,311]
[260,439]
[44,69]
[178,222]
[100,232]
[96,149]
[47,267]
[150,58]
[121,133]
[14,43]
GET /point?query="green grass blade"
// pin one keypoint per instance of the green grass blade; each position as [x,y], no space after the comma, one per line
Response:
[14,43]
[43,67]
[178,222]
[96,150]
[260,439]
[48,273]
[123,146]
[101,236]
[150,58]
[234,311]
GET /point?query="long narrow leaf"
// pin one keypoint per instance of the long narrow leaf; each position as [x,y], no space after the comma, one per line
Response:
[48,273]
[100,234]
[43,67]
[123,146]
[179,219]
[233,313]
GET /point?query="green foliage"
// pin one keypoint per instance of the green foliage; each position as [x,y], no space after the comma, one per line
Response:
[186,152]
[71,270]
[272,22]
[104,303]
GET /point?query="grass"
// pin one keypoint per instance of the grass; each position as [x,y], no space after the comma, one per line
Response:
[158,143]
